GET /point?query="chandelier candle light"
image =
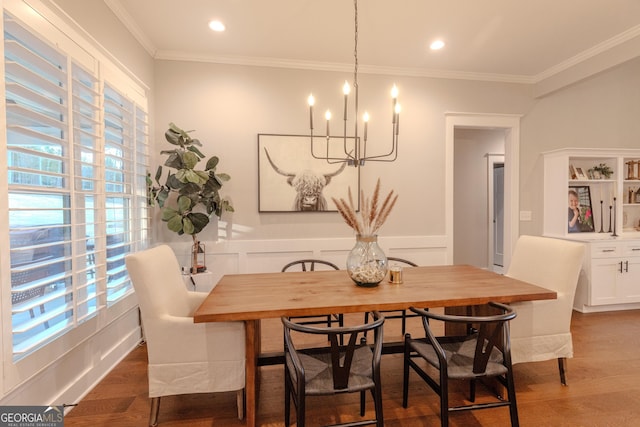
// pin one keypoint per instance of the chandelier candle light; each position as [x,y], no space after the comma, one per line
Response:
[366,263]
[358,155]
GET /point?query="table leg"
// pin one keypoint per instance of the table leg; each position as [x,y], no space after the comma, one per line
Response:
[252,380]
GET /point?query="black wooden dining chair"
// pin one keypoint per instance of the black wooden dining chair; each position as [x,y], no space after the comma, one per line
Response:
[313,265]
[350,368]
[484,353]
[397,314]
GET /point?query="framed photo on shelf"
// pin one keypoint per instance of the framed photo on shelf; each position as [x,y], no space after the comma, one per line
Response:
[580,174]
[580,211]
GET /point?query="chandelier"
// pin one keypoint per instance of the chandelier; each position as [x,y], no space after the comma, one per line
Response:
[356,154]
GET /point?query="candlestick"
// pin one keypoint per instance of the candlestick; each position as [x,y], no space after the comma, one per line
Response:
[365,119]
[601,218]
[311,100]
[614,218]
[327,116]
[609,219]
[394,97]
[346,89]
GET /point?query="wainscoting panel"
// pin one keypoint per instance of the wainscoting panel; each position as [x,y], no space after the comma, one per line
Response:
[260,256]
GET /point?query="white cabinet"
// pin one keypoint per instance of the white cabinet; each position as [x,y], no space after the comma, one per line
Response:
[610,218]
[610,279]
[611,211]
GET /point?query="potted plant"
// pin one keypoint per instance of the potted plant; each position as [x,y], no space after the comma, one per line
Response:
[603,169]
[189,196]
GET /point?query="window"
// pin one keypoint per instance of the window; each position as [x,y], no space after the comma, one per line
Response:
[76,151]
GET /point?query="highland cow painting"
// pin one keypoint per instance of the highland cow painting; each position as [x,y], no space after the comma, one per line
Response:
[290,179]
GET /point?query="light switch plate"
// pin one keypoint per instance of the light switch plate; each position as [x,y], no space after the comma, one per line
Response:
[525,215]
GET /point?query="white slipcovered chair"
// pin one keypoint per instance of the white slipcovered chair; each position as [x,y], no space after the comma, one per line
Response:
[541,331]
[184,357]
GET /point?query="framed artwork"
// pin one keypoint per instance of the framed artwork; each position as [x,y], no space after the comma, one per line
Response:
[580,211]
[580,174]
[290,179]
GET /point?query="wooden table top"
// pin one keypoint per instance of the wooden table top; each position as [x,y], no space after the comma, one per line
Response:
[271,295]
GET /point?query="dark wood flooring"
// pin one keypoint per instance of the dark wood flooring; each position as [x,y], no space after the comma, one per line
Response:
[603,390]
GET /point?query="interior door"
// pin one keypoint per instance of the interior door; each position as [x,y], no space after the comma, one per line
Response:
[498,214]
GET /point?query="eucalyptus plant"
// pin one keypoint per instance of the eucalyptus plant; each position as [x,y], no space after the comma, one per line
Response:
[189,196]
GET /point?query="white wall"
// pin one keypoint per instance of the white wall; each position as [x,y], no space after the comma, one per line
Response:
[229,105]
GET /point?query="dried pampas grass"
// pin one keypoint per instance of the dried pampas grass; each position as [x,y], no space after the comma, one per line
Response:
[371,217]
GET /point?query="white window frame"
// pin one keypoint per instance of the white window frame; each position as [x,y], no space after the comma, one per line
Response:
[56,31]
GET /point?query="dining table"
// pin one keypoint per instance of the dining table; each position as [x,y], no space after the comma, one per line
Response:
[253,297]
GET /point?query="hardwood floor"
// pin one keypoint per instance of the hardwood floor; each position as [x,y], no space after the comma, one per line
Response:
[603,390]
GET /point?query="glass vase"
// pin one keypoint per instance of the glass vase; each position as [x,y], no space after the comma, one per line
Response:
[367,264]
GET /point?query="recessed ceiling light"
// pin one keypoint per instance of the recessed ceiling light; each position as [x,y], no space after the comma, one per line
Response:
[437,45]
[216,26]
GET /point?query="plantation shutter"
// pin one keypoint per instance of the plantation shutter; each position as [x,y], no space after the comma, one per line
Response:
[77,159]
[119,148]
[38,158]
[87,191]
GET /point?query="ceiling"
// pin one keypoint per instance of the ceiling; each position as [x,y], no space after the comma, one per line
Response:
[509,40]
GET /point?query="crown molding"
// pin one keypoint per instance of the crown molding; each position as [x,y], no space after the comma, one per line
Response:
[338,67]
[126,19]
[588,54]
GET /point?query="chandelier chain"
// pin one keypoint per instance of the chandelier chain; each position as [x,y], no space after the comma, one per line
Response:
[355,68]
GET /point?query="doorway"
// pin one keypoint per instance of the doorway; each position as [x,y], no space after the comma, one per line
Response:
[510,126]
[495,204]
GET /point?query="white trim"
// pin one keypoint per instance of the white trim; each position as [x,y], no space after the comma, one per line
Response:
[253,256]
[511,124]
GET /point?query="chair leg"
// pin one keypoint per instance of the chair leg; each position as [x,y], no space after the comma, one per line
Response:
[301,410]
[377,402]
[287,399]
[562,362]
[155,408]
[405,373]
[444,400]
[511,393]
[404,322]
[240,403]
[362,402]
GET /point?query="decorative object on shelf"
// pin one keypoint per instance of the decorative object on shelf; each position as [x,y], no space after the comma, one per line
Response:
[610,207]
[572,172]
[601,218]
[366,263]
[603,169]
[633,171]
[188,197]
[637,196]
[614,234]
[580,212]
[356,154]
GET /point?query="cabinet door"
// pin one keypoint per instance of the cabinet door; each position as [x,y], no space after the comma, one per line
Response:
[629,280]
[605,275]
